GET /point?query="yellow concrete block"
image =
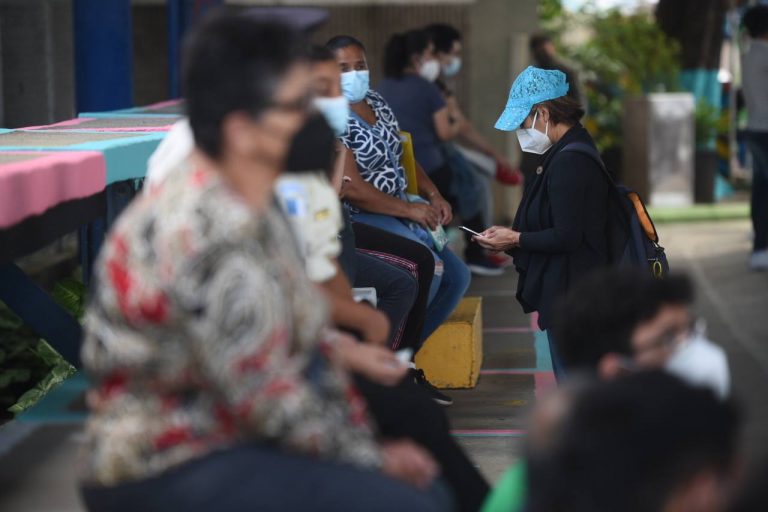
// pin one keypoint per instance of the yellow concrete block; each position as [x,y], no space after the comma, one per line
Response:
[453,355]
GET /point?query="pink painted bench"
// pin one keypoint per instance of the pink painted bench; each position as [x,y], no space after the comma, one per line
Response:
[34,182]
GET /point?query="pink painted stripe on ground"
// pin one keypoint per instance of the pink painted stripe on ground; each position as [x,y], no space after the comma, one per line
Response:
[506,330]
[543,383]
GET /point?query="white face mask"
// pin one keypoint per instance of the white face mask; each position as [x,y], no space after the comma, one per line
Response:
[452,68]
[430,70]
[336,112]
[700,362]
[532,140]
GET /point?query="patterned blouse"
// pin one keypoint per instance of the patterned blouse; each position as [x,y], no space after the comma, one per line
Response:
[203,332]
[377,148]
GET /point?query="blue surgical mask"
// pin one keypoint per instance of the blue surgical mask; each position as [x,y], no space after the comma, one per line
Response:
[336,112]
[355,85]
[453,68]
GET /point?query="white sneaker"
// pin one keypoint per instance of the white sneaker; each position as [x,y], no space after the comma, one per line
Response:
[759,261]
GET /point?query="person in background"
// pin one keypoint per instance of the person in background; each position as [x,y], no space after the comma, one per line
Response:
[559,231]
[217,384]
[755,87]
[312,205]
[544,55]
[410,70]
[376,188]
[360,242]
[644,443]
[474,189]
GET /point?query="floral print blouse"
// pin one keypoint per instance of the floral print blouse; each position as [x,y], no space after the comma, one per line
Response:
[204,332]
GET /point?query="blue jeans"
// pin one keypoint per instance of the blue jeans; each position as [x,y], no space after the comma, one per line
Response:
[758,146]
[446,290]
[254,477]
[557,363]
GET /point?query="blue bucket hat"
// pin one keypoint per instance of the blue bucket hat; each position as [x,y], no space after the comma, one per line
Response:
[530,88]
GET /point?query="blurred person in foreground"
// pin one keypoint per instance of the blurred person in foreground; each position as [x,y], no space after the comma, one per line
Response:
[620,320]
[217,384]
[644,443]
[755,87]
[615,323]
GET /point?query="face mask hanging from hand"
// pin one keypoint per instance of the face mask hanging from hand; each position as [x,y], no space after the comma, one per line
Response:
[700,362]
[532,140]
[355,85]
[336,112]
[430,70]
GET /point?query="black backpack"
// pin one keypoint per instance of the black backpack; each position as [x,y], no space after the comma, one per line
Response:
[632,237]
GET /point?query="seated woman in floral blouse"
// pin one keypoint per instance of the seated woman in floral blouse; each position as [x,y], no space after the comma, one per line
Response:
[217,385]
[376,192]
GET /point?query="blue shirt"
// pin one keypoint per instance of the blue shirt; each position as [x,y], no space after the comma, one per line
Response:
[414,101]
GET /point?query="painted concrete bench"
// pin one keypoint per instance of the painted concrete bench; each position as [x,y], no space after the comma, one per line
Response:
[453,355]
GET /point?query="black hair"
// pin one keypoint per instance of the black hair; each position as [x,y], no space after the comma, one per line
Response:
[630,443]
[234,63]
[319,53]
[564,109]
[400,49]
[443,36]
[756,20]
[339,42]
[538,40]
[600,312]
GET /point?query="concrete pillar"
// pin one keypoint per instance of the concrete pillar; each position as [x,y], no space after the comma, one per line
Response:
[36,68]
[499,51]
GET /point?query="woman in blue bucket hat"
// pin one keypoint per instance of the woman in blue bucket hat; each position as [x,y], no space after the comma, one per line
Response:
[559,231]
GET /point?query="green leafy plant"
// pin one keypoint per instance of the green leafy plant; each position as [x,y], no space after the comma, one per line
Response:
[625,55]
[29,366]
[708,120]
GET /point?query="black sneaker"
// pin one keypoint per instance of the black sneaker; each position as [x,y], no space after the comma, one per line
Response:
[484,267]
[434,393]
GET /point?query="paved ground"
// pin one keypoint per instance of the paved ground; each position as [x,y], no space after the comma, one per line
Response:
[37,474]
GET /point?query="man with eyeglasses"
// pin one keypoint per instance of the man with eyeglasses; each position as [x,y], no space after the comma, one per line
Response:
[621,320]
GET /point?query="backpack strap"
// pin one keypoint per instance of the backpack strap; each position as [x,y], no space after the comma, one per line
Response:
[646,223]
[590,151]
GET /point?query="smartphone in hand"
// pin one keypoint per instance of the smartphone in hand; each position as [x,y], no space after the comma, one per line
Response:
[464,228]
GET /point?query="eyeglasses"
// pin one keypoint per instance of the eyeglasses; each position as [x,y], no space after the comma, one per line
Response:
[674,338]
[301,104]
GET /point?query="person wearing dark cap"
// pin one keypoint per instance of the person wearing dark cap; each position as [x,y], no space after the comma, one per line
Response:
[559,231]
[217,384]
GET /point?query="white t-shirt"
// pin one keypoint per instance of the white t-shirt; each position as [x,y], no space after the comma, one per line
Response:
[314,210]
[308,199]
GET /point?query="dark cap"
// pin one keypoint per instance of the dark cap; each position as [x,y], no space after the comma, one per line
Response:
[305,19]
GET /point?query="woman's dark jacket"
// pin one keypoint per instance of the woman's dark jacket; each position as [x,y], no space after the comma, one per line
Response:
[562,218]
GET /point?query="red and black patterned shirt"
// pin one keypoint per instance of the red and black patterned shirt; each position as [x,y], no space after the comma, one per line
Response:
[203,332]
